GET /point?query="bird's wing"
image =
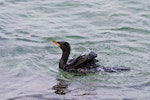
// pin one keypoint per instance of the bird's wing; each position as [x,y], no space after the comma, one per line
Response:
[83,60]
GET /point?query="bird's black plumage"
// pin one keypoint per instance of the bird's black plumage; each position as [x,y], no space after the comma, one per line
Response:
[84,63]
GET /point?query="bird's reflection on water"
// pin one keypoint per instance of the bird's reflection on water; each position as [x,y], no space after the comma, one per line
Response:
[61,87]
[64,80]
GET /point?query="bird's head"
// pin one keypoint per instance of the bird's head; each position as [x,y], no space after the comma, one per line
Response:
[63,45]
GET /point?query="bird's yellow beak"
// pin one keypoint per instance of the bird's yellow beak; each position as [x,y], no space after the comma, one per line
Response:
[56,43]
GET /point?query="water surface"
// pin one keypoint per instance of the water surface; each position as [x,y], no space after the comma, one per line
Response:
[117,30]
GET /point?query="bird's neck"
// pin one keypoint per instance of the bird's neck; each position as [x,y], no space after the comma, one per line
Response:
[63,60]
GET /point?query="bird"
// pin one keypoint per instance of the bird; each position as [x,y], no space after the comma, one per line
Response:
[86,63]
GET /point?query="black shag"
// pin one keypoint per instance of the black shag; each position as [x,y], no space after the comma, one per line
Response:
[84,63]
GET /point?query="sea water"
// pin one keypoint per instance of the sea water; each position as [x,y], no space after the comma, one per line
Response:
[117,30]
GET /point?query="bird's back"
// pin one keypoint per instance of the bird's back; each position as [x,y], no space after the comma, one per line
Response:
[85,62]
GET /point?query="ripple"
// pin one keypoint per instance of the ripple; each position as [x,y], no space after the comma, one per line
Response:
[143,31]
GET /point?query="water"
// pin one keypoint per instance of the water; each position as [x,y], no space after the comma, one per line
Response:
[117,30]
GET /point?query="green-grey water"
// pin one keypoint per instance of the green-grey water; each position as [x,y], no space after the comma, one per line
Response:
[117,30]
